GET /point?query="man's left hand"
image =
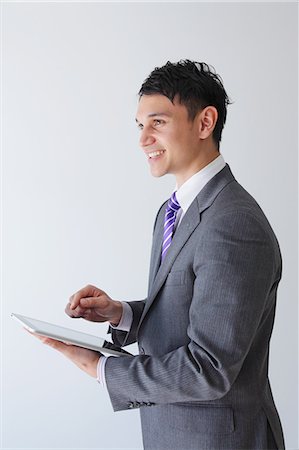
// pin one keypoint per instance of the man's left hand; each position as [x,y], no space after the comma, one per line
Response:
[86,360]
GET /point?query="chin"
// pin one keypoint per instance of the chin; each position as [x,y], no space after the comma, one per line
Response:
[158,174]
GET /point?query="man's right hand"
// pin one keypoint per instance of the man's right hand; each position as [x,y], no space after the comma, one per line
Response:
[95,305]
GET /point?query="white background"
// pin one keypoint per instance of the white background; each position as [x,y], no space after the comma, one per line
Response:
[75,184]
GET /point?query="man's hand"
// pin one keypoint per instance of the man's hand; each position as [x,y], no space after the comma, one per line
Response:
[95,305]
[86,360]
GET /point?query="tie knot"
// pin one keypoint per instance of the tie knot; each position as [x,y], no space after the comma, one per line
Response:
[173,203]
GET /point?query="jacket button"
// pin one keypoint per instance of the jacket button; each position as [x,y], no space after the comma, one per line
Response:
[131,405]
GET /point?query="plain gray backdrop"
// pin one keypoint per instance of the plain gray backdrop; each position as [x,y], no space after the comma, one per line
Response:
[75,180]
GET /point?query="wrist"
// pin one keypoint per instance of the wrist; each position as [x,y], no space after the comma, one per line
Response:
[119,312]
[92,369]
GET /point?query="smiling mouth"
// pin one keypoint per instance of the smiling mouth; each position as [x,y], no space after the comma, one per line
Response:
[155,154]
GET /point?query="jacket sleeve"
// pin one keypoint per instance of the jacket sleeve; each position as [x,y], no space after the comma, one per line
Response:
[237,268]
[122,338]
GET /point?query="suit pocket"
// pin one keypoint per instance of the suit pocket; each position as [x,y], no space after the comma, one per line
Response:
[176,278]
[205,419]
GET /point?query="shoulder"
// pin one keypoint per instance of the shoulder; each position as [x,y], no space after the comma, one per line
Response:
[236,204]
[235,219]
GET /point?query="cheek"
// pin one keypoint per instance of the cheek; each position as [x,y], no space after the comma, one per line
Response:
[187,145]
[182,148]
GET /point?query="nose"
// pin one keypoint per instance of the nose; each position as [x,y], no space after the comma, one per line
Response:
[146,138]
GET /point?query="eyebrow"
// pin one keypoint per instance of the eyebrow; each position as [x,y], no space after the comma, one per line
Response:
[155,114]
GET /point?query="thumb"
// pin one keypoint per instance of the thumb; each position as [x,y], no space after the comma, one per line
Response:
[93,302]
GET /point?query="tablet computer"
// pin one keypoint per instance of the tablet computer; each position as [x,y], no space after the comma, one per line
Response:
[70,336]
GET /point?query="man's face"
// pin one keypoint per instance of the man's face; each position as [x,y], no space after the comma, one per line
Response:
[168,138]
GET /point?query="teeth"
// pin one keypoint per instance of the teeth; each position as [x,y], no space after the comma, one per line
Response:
[158,153]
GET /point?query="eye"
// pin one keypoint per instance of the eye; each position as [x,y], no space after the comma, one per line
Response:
[158,122]
[140,126]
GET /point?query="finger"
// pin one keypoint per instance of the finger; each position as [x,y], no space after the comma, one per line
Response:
[86,314]
[57,345]
[94,302]
[68,310]
[75,298]
[80,312]
[46,340]
[74,314]
[87,291]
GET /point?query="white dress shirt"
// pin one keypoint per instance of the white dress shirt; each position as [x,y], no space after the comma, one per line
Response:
[185,196]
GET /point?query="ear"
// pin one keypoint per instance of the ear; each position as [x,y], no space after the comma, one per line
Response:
[207,121]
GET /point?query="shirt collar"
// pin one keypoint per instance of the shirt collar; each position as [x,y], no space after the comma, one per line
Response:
[191,188]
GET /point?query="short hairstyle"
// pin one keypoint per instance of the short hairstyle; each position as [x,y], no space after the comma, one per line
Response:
[195,83]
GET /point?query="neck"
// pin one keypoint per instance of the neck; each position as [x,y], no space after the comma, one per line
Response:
[196,167]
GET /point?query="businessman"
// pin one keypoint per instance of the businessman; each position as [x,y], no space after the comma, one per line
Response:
[201,376]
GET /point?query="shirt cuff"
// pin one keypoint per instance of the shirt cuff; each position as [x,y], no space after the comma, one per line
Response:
[126,318]
[101,371]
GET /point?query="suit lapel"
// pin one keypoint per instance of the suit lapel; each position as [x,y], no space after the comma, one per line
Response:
[190,221]
[157,245]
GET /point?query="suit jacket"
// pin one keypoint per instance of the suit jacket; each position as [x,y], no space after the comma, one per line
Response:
[201,376]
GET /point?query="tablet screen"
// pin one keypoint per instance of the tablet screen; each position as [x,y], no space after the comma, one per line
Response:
[69,336]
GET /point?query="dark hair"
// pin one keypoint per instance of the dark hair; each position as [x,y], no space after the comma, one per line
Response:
[197,86]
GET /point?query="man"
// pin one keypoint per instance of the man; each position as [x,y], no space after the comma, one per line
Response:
[201,376]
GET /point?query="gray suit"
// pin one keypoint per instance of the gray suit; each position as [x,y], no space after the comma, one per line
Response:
[201,378]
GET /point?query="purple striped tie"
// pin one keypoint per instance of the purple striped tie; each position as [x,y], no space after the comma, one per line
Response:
[169,221]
